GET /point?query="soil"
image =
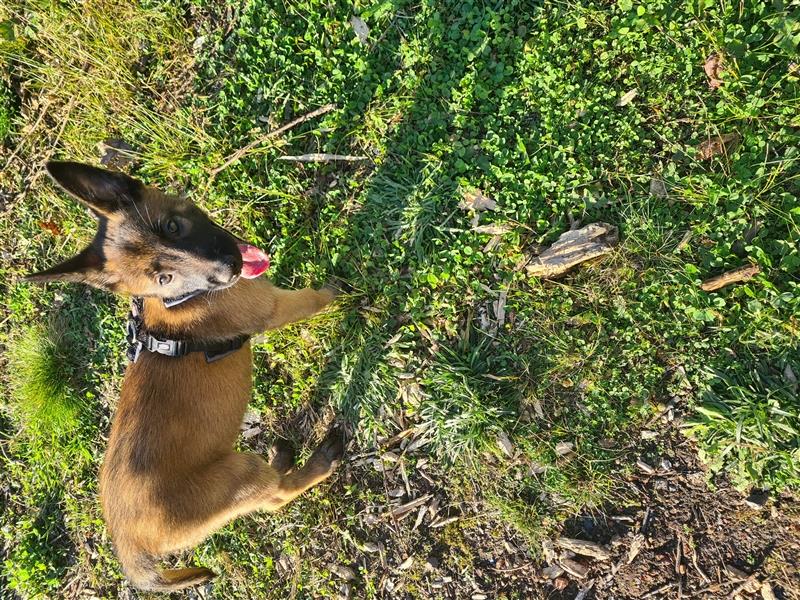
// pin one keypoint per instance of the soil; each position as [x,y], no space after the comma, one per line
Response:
[700,538]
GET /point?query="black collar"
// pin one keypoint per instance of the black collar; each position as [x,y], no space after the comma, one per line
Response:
[139,339]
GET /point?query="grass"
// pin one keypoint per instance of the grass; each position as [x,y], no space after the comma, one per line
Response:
[39,365]
[517,99]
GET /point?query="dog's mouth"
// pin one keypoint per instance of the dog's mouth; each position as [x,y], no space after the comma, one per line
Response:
[255,261]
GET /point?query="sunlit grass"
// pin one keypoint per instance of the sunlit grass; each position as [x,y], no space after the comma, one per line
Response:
[39,371]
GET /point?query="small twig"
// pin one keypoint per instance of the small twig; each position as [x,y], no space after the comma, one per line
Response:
[267,136]
[323,157]
[737,275]
[678,557]
[694,558]
[657,591]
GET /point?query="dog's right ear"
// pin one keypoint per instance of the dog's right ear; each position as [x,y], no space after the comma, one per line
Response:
[84,267]
[105,192]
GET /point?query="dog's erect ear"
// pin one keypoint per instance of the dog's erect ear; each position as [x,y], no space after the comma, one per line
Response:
[101,190]
[86,267]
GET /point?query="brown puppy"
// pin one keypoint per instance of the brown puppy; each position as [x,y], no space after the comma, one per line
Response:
[170,475]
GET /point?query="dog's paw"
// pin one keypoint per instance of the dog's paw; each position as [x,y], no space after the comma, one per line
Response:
[283,456]
[337,286]
[330,452]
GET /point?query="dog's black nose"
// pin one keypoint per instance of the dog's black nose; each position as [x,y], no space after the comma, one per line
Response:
[233,265]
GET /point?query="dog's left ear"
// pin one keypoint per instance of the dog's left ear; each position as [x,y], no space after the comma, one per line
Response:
[85,267]
[105,192]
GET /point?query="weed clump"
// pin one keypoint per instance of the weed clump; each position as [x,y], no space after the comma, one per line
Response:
[40,371]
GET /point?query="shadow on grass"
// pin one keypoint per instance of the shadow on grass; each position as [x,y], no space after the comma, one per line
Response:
[408,202]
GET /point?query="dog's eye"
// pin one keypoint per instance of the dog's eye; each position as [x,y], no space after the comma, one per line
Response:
[172,227]
[164,279]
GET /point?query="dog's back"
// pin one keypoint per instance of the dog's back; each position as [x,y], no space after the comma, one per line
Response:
[170,475]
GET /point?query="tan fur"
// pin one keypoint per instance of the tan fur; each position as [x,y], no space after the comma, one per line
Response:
[170,475]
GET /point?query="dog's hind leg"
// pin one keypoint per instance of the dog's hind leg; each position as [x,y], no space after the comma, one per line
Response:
[240,483]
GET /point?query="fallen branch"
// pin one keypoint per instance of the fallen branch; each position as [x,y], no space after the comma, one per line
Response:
[737,275]
[584,548]
[268,136]
[323,157]
[574,247]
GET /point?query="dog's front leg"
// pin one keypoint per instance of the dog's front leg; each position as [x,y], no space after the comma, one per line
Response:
[294,305]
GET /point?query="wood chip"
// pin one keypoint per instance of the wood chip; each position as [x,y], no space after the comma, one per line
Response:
[637,543]
[584,548]
[574,568]
[500,309]
[574,247]
[735,572]
[766,592]
[397,438]
[736,276]
[420,517]
[408,506]
[252,432]
[443,522]
[552,571]
[584,591]
[494,229]
[658,188]
[643,466]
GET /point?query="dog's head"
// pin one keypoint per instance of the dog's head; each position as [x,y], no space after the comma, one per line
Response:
[148,243]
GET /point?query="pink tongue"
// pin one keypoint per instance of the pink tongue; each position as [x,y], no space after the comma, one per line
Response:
[254,261]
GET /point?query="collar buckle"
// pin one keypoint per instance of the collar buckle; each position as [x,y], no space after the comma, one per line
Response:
[166,347]
[139,340]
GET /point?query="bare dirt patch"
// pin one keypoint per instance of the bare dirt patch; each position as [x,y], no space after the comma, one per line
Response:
[684,536]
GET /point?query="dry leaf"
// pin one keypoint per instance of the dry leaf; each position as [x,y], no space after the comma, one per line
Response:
[360,28]
[626,99]
[719,144]
[475,200]
[505,444]
[345,573]
[492,229]
[658,188]
[713,68]
[50,226]
[564,448]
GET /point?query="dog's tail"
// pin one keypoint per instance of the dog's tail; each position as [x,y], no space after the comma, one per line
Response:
[141,568]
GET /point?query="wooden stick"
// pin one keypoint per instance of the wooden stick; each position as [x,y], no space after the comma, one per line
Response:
[267,136]
[323,157]
[737,275]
